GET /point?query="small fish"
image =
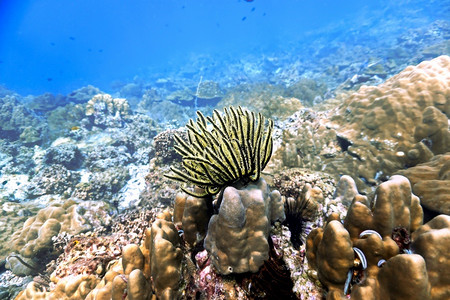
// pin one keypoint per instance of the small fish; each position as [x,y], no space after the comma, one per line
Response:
[49,79]
[244,18]
[74,128]
[52,44]
[253,9]
[72,38]
[248,0]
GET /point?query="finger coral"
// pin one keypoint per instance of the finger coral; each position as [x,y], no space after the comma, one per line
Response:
[223,149]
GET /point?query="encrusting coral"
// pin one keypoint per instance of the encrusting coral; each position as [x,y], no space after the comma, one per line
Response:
[237,148]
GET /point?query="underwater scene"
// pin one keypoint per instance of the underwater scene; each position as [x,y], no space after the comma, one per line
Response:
[234,149]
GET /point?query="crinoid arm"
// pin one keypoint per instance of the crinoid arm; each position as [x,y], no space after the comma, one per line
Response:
[223,149]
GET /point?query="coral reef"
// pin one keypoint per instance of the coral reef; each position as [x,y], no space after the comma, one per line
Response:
[158,257]
[375,131]
[184,97]
[308,91]
[208,93]
[267,99]
[125,279]
[19,123]
[13,215]
[83,95]
[33,243]
[52,180]
[400,103]
[159,191]
[363,256]
[106,111]
[46,102]
[97,148]
[165,260]
[67,155]
[70,288]
[102,185]
[104,158]
[164,143]
[65,119]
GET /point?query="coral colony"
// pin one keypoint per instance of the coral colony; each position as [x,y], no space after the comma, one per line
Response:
[319,175]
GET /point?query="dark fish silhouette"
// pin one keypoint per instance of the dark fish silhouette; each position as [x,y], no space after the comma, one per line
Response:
[72,38]
[244,18]
[248,0]
[49,79]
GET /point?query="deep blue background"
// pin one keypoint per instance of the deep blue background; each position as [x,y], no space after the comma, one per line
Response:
[61,45]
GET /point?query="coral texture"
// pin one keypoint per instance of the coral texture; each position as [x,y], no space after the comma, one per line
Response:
[271,100]
[106,111]
[395,118]
[375,131]
[191,214]
[431,182]
[432,241]
[237,235]
[35,237]
[69,288]
[165,260]
[361,257]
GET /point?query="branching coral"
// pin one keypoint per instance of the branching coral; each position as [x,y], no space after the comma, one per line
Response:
[223,149]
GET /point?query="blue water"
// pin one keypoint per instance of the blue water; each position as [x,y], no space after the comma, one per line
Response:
[61,45]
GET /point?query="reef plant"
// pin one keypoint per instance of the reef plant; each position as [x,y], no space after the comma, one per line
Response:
[223,150]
